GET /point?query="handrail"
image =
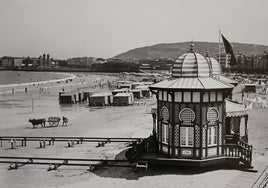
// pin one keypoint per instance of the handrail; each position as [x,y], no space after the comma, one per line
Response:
[236,150]
[67,137]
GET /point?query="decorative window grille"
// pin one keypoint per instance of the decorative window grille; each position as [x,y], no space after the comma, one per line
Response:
[220,134]
[204,136]
[187,116]
[212,115]
[165,113]
[177,135]
[197,136]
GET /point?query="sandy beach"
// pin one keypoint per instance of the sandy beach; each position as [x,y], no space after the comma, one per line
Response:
[129,121]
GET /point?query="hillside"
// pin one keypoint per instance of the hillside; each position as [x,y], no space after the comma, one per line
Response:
[173,50]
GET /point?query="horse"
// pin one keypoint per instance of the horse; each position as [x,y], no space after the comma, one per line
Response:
[36,122]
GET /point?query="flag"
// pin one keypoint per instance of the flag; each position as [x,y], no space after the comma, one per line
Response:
[229,50]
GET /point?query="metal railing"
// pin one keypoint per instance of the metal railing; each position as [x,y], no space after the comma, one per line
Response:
[54,163]
[52,140]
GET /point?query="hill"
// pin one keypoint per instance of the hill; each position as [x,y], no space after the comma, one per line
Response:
[173,50]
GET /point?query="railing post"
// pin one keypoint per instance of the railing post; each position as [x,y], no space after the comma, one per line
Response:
[13,143]
[25,141]
[250,153]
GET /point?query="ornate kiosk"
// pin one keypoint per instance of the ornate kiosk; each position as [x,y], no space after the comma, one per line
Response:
[191,110]
[189,121]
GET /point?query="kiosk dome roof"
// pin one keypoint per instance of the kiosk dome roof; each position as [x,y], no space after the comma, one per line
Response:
[215,66]
[191,71]
[191,64]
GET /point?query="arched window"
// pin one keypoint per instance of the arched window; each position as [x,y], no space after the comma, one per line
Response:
[187,116]
[164,123]
[165,113]
[212,117]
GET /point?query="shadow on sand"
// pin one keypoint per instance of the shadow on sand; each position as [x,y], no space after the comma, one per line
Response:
[128,173]
[157,170]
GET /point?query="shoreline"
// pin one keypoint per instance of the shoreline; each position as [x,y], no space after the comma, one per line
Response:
[70,76]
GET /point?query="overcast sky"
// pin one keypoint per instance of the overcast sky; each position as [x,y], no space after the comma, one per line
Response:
[105,28]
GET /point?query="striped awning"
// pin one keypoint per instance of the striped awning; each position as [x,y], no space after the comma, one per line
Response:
[234,109]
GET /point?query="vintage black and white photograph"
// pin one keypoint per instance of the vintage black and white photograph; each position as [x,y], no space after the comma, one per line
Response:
[133,93]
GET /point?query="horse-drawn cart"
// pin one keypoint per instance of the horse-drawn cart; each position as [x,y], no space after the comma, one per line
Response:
[53,121]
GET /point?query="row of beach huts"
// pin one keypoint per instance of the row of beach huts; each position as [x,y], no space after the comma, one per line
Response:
[122,93]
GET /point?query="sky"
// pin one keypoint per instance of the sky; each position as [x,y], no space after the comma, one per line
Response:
[105,28]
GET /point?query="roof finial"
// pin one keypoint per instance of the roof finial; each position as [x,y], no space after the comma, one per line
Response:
[192,46]
[207,53]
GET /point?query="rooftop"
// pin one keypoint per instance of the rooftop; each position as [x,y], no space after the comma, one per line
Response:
[192,83]
[191,64]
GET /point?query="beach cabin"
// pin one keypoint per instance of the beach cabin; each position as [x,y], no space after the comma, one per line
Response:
[70,97]
[60,93]
[136,93]
[250,88]
[86,95]
[148,83]
[189,126]
[123,99]
[124,90]
[145,91]
[119,83]
[136,84]
[127,86]
[101,99]
[66,98]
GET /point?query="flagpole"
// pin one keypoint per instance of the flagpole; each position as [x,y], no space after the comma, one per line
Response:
[220,46]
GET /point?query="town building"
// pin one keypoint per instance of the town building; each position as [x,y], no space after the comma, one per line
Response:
[17,61]
[7,62]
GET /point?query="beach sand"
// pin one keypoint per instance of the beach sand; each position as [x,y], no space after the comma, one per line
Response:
[130,121]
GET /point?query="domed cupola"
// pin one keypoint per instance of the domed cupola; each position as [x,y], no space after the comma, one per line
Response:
[191,64]
[216,71]
[215,66]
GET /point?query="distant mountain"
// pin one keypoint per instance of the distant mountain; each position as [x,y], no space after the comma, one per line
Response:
[173,50]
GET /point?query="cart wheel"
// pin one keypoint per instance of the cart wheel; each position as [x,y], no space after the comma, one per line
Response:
[54,123]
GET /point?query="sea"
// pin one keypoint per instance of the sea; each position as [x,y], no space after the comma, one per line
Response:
[18,77]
